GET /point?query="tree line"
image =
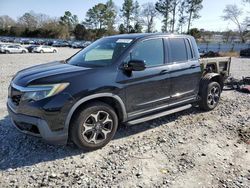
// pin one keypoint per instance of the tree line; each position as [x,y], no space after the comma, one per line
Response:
[107,18]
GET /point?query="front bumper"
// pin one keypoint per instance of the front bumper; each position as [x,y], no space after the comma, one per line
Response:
[37,127]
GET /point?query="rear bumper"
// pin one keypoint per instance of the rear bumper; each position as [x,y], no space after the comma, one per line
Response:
[37,127]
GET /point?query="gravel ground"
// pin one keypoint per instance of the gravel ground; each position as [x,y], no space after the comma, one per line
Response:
[187,149]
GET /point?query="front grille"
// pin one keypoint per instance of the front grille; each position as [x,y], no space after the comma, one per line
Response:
[15,96]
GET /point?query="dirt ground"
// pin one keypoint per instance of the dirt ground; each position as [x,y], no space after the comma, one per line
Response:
[187,149]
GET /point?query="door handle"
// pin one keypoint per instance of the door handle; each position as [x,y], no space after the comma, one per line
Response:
[193,66]
[164,72]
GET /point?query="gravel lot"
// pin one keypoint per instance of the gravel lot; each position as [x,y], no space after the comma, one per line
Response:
[187,149]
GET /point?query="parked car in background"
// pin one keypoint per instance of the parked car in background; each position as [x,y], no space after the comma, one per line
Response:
[2,47]
[30,48]
[245,52]
[5,39]
[17,40]
[11,40]
[61,44]
[14,49]
[27,41]
[44,49]
[87,43]
[78,45]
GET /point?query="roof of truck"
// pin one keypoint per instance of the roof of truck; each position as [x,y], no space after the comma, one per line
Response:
[142,35]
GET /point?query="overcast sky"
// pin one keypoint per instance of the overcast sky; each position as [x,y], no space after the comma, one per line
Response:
[210,14]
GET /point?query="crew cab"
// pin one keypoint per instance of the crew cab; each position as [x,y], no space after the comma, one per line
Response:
[119,79]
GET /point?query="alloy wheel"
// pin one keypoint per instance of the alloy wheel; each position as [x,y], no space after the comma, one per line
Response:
[213,96]
[97,126]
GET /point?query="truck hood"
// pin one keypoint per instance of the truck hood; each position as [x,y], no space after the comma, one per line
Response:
[26,76]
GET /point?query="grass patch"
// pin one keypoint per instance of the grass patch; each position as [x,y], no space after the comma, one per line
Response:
[229,54]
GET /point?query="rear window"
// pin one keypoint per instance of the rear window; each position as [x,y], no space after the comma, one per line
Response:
[178,52]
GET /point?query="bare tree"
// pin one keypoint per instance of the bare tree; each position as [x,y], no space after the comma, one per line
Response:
[42,19]
[149,14]
[6,22]
[29,20]
[233,13]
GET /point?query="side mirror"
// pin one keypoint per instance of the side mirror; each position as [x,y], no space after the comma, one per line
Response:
[134,65]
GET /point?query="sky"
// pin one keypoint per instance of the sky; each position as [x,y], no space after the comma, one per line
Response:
[210,14]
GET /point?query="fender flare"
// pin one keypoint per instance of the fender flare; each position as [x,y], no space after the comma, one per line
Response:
[208,77]
[90,97]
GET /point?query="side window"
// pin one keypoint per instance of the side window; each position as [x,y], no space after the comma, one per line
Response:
[151,51]
[189,49]
[178,52]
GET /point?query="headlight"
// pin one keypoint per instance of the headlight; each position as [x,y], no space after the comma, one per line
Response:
[38,92]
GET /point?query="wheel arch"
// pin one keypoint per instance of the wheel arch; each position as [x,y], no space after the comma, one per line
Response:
[209,78]
[113,100]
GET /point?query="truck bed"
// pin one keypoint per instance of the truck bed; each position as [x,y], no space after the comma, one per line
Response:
[220,65]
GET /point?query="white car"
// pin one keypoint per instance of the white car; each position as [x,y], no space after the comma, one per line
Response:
[13,49]
[2,46]
[44,49]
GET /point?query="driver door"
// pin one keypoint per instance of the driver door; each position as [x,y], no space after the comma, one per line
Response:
[147,89]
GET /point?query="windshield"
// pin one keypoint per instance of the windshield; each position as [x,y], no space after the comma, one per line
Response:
[101,53]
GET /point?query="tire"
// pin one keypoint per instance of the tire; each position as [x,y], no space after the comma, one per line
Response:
[54,51]
[41,51]
[210,96]
[88,130]
[23,52]
[7,52]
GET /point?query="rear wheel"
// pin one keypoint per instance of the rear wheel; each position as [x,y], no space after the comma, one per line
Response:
[54,51]
[42,51]
[7,51]
[23,51]
[210,96]
[94,126]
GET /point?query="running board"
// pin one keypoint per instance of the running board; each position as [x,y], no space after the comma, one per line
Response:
[154,116]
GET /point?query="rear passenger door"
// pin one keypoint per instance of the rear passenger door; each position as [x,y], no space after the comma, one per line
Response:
[185,71]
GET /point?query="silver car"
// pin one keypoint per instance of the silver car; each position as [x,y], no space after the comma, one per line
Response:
[44,49]
[2,46]
[14,49]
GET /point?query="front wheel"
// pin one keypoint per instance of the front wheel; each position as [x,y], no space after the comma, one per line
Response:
[210,96]
[94,126]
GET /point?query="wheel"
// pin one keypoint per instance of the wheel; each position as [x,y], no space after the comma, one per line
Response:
[41,51]
[23,51]
[54,51]
[210,96]
[94,126]
[7,51]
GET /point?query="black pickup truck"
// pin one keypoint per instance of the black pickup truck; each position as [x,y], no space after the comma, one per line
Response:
[118,79]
